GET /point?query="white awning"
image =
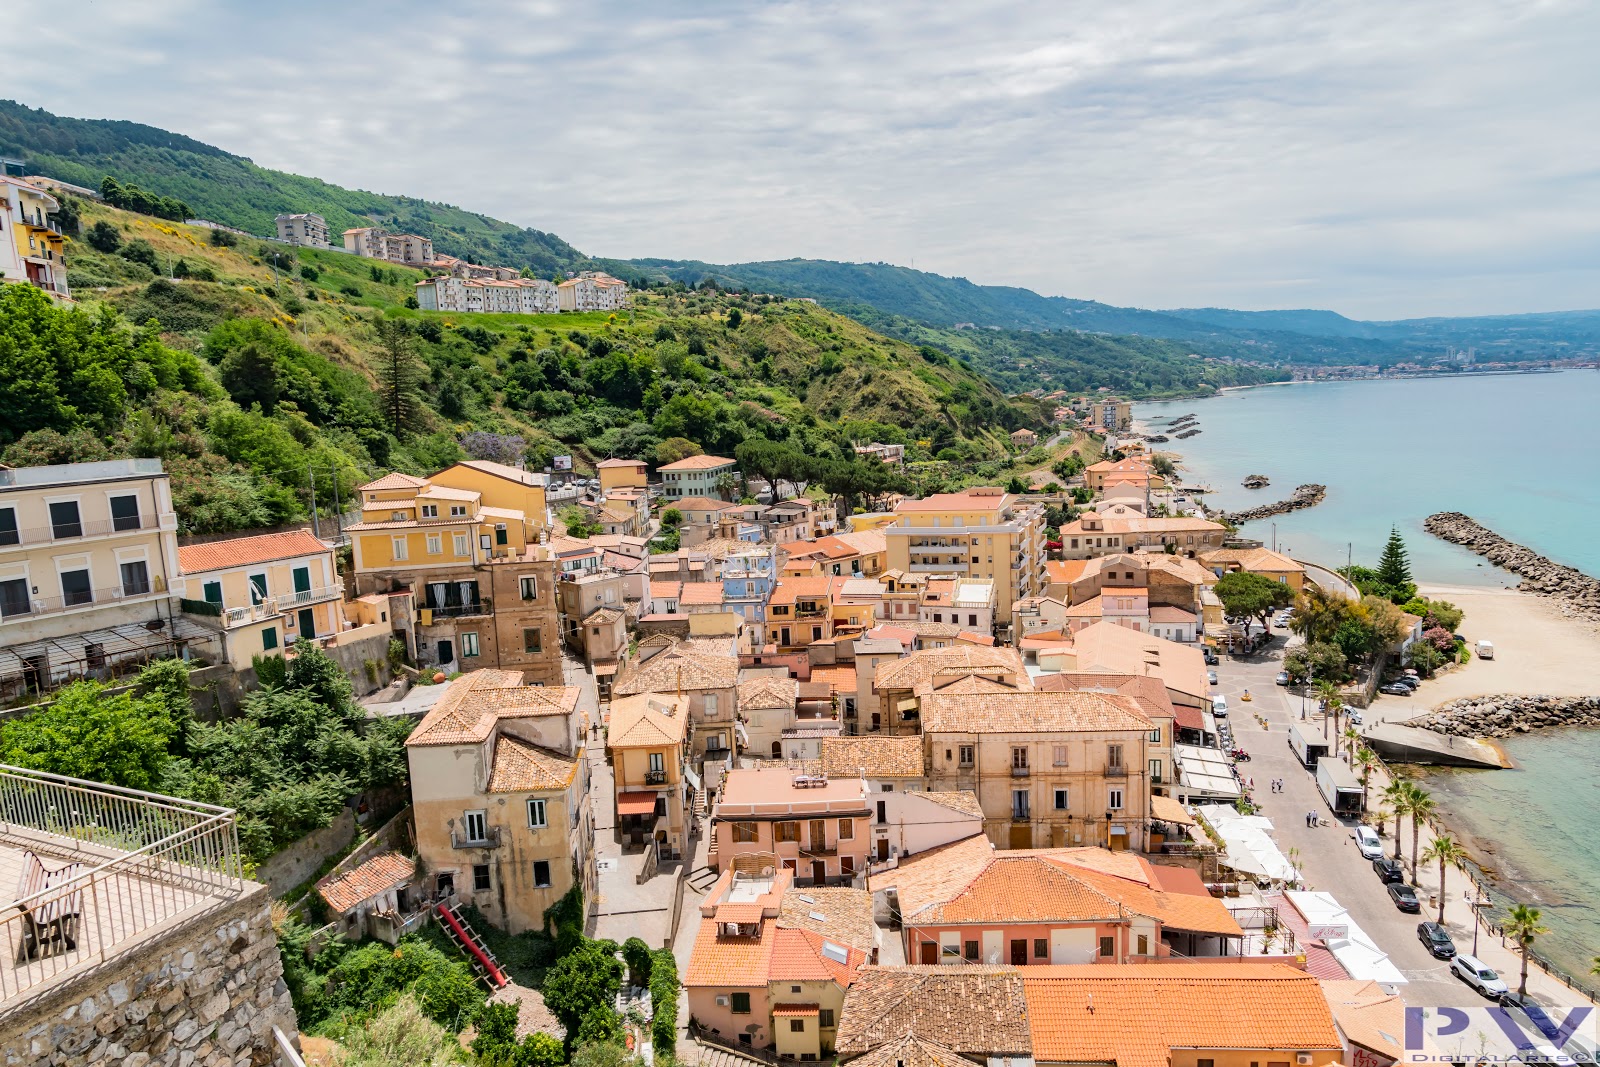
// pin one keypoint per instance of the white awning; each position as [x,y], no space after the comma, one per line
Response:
[1204,773]
[1251,850]
[1356,952]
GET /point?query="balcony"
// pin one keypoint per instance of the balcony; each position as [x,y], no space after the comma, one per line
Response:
[491,839]
[301,597]
[655,777]
[807,612]
[1021,772]
[12,610]
[457,611]
[1116,770]
[57,533]
[244,616]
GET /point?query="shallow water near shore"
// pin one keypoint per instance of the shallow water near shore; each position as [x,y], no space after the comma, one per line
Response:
[1517,452]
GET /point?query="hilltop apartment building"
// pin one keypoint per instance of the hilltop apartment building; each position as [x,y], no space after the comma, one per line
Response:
[373,242]
[981,532]
[511,296]
[31,243]
[304,229]
[696,476]
[593,291]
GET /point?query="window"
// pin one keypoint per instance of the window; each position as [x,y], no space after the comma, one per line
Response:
[1059,756]
[399,548]
[457,510]
[825,1018]
[658,762]
[786,831]
[711,705]
[463,545]
[1155,770]
[9,534]
[480,877]
[397,516]
[1041,948]
[532,640]
[1144,944]
[1114,756]
[847,830]
[797,1026]
[435,544]
[430,511]
[469,644]
[966,755]
[1205,1063]
[1019,805]
[269,638]
[1061,800]
[746,832]
[124,513]
[64,521]
[970,950]
[530,587]
[75,588]
[1114,801]
[739,1003]
[1155,736]
[135,578]
[847,865]
[475,825]
[883,815]
[500,535]
[1108,946]
[1019,758]
[536,814]
[541,873]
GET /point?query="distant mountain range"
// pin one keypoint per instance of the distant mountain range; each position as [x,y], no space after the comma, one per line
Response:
[912,304]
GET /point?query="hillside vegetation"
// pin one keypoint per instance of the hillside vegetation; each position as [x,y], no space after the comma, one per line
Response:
[259,372]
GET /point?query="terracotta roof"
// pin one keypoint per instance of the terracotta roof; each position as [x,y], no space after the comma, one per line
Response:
[729,961]
[603,616]
[1368,1016]
[1149,693]
[647,719]
[784,1011]
[1136,1015]
[797,956]
[767,691]
[395,480]
[245,551]
[701,503]
[502,470]
[1027,712]
[1064,571]
[701,593]
[840,677]
[974,499]
[911,1051]
[696,463]
[473,703]
[609,464]
[837,913]
[519,767]
[910,671]
[789,588]
[964,801]
[878,757]
[973,1010]
[1253,559]
[1105,646]
[377,875]
[678,668]
[1169,614]
[667,590]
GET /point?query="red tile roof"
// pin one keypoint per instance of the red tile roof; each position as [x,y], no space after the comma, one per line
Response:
[696,463]
[377,875]
[245,551]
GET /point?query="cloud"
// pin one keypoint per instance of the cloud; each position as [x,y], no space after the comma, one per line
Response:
[1381,159]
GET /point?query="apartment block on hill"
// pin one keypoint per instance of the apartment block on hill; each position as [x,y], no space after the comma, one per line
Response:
[697,476]
[374,242]
[500,796]
[32,247]
[1092,534]
[303,228]
[509,296]
[980,532]
[1111,416]
[592,291]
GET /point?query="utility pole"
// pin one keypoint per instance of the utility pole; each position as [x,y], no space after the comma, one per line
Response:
[311,484]
[338,508]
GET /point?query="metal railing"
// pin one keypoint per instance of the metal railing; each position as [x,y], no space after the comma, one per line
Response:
[491,839]
[1116,770]
[301,597]
[49,605]
[456,611]
[79,529]
[1020,772]
[655,777]
[143,858]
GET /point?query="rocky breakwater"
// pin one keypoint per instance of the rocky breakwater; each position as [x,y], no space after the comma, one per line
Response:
[1305,496]
[1579,594]
[1503,716]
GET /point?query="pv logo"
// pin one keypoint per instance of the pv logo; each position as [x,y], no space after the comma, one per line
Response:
[1489,1035]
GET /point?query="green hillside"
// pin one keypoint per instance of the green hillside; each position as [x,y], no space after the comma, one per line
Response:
[262,370]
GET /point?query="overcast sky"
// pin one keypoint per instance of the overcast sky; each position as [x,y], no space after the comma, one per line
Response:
[1381,159]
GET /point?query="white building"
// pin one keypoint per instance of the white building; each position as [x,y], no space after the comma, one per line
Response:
[524,296]
[593,291]
[303,229]
[374,242]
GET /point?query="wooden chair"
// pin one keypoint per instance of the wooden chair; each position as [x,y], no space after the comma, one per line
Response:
[49,918]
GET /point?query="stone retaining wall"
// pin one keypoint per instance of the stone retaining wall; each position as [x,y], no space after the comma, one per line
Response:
[1502,716]
[205,993]
[1579,594]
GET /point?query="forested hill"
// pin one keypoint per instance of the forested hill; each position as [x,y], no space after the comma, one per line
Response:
[230,189]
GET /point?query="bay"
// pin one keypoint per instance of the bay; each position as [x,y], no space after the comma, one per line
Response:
[1517,452]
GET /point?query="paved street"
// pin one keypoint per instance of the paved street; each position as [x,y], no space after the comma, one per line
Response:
[1327,854]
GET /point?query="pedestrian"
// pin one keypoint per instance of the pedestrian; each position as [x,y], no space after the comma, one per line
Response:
[1250,783]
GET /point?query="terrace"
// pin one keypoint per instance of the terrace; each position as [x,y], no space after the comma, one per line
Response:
[95,869]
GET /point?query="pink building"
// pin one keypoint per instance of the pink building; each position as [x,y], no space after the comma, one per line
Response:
[812,826]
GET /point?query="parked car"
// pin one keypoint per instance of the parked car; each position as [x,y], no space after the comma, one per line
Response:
[1353,717]
[1389,870]
[1394,689]
[1479,975]
[1282,678]
[1404,897]
[1211,656]
[1538,1018]
[1410,681]
[1219,706]
[1211,676]
[1368,843]
[1436,940]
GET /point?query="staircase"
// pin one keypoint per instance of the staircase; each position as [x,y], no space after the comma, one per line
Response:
[478,953]
[698,808]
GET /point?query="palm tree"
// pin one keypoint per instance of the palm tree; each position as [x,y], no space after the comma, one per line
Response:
[1367,760]
[728,487]
[1447,852]
[1419,805]
[1522,926]
[1352,738]
[1395,795]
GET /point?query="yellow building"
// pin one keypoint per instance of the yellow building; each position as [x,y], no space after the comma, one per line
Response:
[89,574]
[648,735]
[31,244]
[981,532]
[500,486]
[500,796]
[622,474]
[267,591]
[1262,561]
[1111,416]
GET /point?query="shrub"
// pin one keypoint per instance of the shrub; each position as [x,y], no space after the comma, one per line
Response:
[139,251]
[664,1000]
[104,237]
[310,273]
[224,239]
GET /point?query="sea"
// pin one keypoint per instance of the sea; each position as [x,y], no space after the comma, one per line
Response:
[1517,452]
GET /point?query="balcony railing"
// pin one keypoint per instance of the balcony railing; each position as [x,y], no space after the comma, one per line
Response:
[261,612]
[456,611]
[78,529]
[490,839]
[655,777]
[1116,770]
[1020,772]
[11,610]
[140,858]
[302,597]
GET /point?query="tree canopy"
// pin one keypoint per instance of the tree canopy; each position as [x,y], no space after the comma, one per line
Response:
[1252,596]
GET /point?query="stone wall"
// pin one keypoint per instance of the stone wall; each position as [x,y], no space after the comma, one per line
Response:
[1502,716]
[298,862]
[205,993]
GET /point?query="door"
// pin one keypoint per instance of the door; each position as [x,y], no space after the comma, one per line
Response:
[1019,952]
[14,598]
[1072,946]
[308,622]
[819,872]
[447,652]
[1021,835]
[883,849]
[992,942]
[929,952]
[819,835]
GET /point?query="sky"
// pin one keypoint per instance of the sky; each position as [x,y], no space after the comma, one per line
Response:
[1384,160]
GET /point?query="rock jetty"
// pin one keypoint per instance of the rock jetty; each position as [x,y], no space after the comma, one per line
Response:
[1305,496]
[1256,481]
[1578,593]
[1185,435]
[1503,716]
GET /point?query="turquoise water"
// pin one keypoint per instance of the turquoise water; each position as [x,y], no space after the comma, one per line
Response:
[1517,452]
[1532,827]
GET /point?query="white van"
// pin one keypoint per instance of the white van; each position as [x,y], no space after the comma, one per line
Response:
[1485,650]
[1219,706]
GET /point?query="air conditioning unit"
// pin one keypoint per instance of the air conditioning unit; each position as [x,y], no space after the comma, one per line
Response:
[1302,1057]
[722,1002]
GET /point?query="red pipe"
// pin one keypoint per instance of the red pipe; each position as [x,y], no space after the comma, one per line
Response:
[496,978]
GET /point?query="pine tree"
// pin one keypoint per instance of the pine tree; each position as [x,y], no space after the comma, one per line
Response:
[1394,566]
[400,376]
